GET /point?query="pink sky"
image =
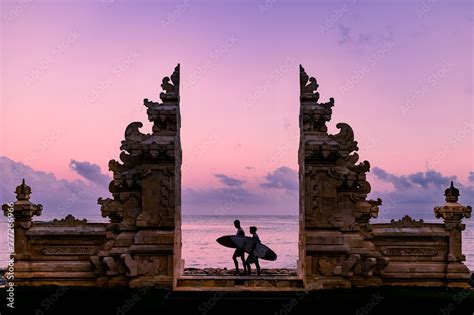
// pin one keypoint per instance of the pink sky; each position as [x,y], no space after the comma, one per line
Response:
[74,74]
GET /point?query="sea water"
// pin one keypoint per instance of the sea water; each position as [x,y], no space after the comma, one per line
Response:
[280,233]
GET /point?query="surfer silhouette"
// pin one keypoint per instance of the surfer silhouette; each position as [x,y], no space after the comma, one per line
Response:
[252,259]
[239,252]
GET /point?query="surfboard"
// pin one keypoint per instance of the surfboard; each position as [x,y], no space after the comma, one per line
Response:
[246,242]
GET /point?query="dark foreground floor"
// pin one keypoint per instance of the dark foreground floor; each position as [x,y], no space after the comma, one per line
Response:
[385,300]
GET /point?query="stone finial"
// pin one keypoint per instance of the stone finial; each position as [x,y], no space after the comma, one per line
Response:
[452,193]
[23,208]
[452,211]
[23,191]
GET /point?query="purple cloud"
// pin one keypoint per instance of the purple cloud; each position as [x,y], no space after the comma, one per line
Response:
[58,196]
[471,177]
[282,178]
[90,171]
[416,194]
[229,181]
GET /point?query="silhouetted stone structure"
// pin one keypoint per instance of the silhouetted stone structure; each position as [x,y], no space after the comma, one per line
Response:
[145,211]
[141,245]
[339,246]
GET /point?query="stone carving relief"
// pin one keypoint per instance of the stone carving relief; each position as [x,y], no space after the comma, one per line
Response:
[410,251]
[62,250]
[407,221]
[137,266]
[68,220]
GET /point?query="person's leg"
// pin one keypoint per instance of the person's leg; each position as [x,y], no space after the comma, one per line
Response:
[236,263]
[249,270]
[243,263]
[257,265]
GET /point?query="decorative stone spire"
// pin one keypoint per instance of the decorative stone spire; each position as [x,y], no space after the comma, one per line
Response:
[313,115]
[23,191]
[154,157]
[452,193]
[165,116]
[308,90]
[23,209]
[452,211]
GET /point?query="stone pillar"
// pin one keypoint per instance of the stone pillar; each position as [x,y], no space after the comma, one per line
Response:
[23,212]
[452,213]
[145,212]
[335,246]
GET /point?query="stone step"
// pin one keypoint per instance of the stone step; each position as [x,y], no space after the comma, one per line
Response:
[239,283]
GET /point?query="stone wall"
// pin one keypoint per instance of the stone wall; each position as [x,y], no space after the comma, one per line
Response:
[425,254]
[56,252]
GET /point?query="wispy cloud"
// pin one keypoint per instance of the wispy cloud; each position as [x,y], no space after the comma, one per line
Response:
[90,171]
[239,197]
[471,177]
[229,181]
[347,34]
[282,178]
[344,34]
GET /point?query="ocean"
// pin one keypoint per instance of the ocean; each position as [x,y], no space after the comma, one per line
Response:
[280,233]
[200,249]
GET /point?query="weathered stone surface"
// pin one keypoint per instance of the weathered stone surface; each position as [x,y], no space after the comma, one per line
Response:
[333,190]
